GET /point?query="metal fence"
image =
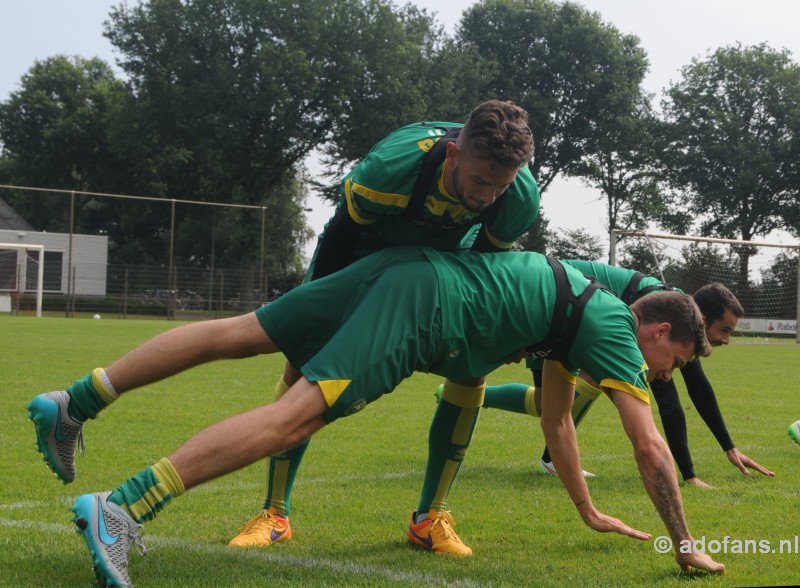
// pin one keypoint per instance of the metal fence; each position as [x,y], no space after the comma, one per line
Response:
[124,256]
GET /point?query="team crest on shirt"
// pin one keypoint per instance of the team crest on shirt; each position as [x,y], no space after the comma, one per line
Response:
[357,407]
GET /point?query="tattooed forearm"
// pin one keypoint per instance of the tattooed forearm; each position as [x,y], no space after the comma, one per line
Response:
[668,499]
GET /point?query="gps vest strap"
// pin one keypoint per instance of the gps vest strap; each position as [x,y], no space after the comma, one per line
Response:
[431,162]
[631,293]
[563,326]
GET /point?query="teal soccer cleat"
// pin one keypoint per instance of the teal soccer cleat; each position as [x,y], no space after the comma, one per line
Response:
[109,533]
[57,434]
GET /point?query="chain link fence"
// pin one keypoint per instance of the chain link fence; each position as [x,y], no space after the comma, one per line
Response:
[125,256]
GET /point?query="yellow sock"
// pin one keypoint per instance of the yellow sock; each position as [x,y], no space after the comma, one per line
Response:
[166,474]
[463,396]
[585,395]
[530,402]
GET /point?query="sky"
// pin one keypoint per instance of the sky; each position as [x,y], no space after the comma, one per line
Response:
[672,33]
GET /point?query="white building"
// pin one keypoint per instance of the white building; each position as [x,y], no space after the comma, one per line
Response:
[84,258]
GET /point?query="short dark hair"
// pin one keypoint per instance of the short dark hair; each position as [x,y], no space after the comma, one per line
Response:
[681,312]
[714,299]
[498,131]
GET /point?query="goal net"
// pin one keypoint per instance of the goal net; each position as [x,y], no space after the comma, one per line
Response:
[763,276]
[21,272]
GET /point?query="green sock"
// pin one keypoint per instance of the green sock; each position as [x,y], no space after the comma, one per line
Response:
[448,440]
[146,493]
[281,475]
[510,397]
[282,468]
[89,395]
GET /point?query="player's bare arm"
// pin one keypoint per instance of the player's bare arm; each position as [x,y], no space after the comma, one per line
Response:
[658,475]
[556,421]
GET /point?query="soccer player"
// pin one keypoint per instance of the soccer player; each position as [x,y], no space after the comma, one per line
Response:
[439,184]
[464,316]
[721,311]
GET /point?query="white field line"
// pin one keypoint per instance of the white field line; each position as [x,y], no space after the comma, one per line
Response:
[341,567]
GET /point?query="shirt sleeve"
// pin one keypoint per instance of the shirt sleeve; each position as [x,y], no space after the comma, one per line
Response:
[674,421]
[702,394]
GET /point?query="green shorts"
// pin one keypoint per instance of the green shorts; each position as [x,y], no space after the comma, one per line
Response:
[359,332]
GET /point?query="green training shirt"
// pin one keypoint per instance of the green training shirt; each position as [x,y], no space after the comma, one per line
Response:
[494,305]
[612,277]
[378,190]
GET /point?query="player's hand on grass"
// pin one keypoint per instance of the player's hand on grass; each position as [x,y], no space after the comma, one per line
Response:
[741,461]
[606,524]
[697,560]
[699,483]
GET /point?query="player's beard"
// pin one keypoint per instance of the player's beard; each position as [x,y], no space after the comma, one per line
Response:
[459,194]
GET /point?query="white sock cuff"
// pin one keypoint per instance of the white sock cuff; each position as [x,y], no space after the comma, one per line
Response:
[107,383]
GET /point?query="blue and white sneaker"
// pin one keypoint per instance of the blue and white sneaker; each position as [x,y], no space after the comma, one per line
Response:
[546,468]
[109,533]
[57,434]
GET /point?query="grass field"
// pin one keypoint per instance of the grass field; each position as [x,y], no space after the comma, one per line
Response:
[362,475]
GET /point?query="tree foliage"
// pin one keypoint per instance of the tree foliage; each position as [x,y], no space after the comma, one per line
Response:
[385,79]
[732,155]
[230,94]
[642,255]
[55,133]
[574,244]
[224,100]
[702,264]
[623,168]
[574,74]
[777,292]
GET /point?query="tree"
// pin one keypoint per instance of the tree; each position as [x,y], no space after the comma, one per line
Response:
[387,84]
[622,168]
[574,244]
[777,294]
[232,95]
[575,75]
[229,97]
[537,239]
[642,255]
[704,264]
[734,143]
[55,133]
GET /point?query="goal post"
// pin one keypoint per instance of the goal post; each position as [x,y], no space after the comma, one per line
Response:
[765,276]
[20,270]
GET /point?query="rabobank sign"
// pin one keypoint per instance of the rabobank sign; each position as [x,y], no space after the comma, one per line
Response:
[767,326]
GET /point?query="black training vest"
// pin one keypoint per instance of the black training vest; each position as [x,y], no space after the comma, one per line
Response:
[563,327]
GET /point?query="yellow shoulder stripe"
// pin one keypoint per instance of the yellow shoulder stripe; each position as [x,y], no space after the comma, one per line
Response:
[348,195]
[627,388]
[495,241]
[384,198]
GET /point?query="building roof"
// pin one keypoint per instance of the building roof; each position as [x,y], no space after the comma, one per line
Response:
[10,220]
